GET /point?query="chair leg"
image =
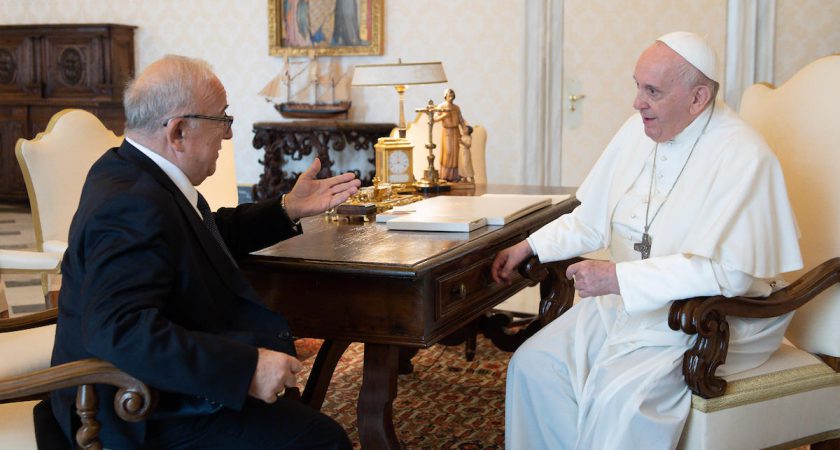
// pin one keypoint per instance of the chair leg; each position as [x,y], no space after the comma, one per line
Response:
[87,436]
[469,346]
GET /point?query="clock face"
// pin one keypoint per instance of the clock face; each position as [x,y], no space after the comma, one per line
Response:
[398,162]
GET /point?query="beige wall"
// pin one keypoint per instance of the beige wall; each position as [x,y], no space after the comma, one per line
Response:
[805,31]
[479,42]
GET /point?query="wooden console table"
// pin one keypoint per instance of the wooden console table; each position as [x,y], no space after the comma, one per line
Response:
[297,139]
[392,290]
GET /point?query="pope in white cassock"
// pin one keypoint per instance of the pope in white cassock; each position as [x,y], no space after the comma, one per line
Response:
[689,201]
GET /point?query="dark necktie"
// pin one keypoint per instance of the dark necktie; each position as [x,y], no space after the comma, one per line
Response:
[210,223]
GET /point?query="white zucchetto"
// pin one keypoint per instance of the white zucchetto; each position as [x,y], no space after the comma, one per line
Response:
[695,50]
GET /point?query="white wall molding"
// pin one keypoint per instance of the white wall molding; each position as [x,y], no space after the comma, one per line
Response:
[542,136]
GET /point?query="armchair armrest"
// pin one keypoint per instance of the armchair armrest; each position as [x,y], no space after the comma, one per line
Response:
[557,293]
[134,401]
[706,317]
[38,319]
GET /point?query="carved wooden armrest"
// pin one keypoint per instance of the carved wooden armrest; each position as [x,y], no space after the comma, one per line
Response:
[133,401]
[706,317]
[557,293]
[33,320]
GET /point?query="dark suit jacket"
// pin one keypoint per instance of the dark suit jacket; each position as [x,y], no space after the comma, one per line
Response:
[146,287]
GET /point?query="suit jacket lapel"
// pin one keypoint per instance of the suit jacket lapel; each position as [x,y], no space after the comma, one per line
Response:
[225,268]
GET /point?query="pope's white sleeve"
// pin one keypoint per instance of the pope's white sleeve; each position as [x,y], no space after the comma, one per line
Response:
[564,238]
[648,284]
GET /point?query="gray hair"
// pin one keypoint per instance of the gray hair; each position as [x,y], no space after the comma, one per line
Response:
[692,77]
[154,96]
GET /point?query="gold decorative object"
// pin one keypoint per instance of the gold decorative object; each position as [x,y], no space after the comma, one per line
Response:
[394,160]
[394,156]
[342,29]
[371,200]
[431,181]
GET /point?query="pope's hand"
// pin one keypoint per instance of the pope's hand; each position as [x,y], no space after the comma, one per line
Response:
[311,196]
[275,372]
[594,278]
[508,260]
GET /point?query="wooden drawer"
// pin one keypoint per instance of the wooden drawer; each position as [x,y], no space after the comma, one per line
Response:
[462,289]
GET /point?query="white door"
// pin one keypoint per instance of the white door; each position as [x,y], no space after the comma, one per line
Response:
[601,41]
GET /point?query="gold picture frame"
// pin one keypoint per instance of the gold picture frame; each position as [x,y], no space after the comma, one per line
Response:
[290,25]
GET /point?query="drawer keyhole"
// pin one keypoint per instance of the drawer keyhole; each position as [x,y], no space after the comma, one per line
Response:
[459,292]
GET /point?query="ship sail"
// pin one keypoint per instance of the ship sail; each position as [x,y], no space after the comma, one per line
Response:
[296,104]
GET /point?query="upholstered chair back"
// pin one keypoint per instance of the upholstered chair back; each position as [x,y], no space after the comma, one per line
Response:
[55,164]
[220,189]
[418,133]
[801,122]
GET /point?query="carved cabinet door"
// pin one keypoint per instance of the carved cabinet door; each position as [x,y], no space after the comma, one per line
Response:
[12,127]
[74,67]
[18,76]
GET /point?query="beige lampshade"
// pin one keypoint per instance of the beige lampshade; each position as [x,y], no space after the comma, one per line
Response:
[398,74]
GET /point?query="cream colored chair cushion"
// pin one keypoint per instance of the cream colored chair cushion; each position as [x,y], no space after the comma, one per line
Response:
[417,133]
[777,404]
[17,427]
[26,350]
[220,189]
[800,122]
[22,351]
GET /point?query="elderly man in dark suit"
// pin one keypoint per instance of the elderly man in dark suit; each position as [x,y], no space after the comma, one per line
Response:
[150,281]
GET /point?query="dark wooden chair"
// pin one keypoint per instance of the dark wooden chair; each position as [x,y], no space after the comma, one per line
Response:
[22,387]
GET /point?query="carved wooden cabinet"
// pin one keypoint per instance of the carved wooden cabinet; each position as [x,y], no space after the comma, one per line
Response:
[47,68]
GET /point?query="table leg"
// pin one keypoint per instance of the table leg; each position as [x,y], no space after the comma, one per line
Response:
[322,372]
[379,388]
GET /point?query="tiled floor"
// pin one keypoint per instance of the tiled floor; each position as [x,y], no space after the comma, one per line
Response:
[23,291]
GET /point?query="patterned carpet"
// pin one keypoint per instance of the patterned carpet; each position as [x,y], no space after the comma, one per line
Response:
[446,403]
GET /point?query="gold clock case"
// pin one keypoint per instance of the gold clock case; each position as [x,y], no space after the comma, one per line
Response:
[383,149]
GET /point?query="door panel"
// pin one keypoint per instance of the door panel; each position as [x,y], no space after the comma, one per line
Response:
[601,41]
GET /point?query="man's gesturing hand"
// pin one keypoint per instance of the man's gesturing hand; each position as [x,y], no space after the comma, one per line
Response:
[275,372]
[594,278]
[311,196]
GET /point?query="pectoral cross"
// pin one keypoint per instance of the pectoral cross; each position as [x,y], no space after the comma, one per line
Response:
[644,246]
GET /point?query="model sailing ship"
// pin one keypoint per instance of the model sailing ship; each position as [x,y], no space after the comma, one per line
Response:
[314,109]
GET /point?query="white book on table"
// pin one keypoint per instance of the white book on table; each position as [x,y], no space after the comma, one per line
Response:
[495,209]
[414,222]
[498,210]
[555,198]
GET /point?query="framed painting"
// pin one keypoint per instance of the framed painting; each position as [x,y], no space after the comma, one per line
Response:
[324,27]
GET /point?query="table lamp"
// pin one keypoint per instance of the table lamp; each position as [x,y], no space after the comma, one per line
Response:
[399,75]
[393,153]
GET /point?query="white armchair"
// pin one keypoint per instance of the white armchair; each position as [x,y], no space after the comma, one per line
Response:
[417,132]
[54,165]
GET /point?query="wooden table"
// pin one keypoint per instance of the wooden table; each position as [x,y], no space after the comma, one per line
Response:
[358,282]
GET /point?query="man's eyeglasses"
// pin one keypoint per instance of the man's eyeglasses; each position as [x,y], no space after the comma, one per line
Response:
[228,120]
